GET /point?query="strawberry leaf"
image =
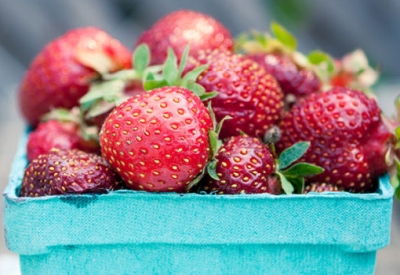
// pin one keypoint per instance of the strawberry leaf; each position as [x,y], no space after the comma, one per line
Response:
[207,96]
[319,57]
[109,91]
[141,58]
[297,183]
[303,170]
[196,88]
[193,74]
[152,84]
[293,153]
[286,185]
[215,143]
[99,107]
[261,38]
[124,75]
[196,180]
[219,125]
[183,61]
[170,71]
[397,133]
[62,114]
[285,37]
[397,193]
[211,169]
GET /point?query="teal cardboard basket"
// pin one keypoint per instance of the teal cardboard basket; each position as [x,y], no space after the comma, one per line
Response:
[129,232]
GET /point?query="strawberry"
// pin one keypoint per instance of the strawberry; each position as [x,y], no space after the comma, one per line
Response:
[61,134]
[178,29]
[277,54]
[244,165]
[292,78]
[347,134]
[52,134]
[68,172]
[158,140]
[61,73]
[320,187]
[246,92]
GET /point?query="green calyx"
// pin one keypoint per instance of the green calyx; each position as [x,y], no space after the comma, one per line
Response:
[215,143]
[74,115]
[109,90]
[292,173]
[172,75]
[277,40]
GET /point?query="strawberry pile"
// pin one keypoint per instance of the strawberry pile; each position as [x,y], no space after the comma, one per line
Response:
[193,109]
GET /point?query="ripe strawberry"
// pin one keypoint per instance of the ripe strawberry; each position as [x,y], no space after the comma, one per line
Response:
[292,78]
[320,187]
[277,54]
[348,137]
[60,74]
[68,172]
[52,134]
[158,140]
[181,28]
[244,166]
[246,92]
[58,134]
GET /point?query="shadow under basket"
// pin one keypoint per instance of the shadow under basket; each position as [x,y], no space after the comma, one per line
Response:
[133,232]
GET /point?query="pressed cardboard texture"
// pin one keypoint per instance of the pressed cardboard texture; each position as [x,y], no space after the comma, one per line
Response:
[168,233]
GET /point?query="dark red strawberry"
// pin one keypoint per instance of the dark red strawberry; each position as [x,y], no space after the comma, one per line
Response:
[158,140]
[61,73]
[178,29]
[320,187]
[348,137]
[244,166]
[246,92]
[68,172]
[52,134]
[276,53]
[293,79]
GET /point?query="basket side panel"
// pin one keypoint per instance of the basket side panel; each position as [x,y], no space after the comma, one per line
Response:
[196,259]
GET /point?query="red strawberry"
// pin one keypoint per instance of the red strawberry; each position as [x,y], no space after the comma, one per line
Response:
[61,73]
[246,92]
[52,134]
[320,187]
[68,172]
[244,166]
[159,140]
[348,137]
[293,79]
[181,28]
[57,134]
[277,54]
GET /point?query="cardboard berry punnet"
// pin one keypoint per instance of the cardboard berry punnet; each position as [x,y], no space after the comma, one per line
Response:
[236,156]
[136,232]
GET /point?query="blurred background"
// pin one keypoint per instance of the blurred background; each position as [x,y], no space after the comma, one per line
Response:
[337,27]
